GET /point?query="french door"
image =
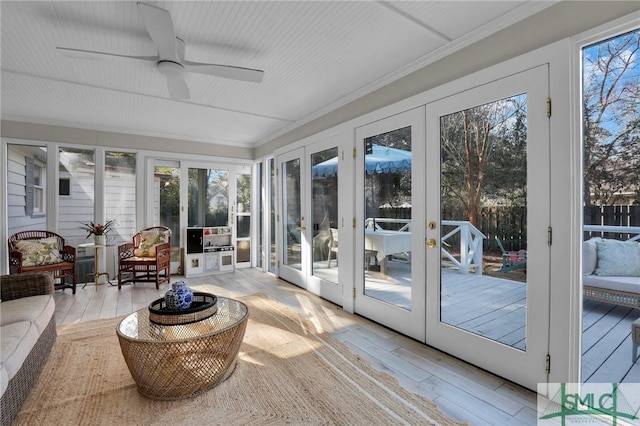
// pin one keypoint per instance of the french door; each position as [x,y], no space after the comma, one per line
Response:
[312,224]
[488,213]
[389,234]
[328,267]
[241,212]
[293,244]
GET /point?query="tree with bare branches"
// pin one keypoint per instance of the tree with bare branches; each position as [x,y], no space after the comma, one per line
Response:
[611,113]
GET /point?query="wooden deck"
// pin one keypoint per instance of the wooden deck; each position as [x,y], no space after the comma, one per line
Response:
[606,343]
[496,308]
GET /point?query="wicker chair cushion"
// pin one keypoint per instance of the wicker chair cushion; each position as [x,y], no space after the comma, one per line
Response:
[148,242]
[39,252]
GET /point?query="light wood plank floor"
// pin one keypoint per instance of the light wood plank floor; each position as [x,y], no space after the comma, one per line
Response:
[462,391]
[496,308]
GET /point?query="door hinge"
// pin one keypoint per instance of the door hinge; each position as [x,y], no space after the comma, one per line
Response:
[353,292]
[354,152]
[549,235]
[547,364]
[549,107]
[353,223]
[277,171]
[277,218]
[278,264]
[343,154]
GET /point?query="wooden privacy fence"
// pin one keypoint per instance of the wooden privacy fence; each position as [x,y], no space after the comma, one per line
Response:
[628,216]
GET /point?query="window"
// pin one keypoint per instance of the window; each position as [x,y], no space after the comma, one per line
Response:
[77,165]
[120,193]
[64,186]
[36,177]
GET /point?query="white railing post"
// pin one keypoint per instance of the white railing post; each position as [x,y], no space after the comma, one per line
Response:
[470,246]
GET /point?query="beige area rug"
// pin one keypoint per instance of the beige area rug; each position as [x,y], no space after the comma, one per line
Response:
[287,373]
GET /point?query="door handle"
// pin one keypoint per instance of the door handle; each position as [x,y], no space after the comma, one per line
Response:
[431,243]
[302,228]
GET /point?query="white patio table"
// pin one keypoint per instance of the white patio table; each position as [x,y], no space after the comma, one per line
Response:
[386,243]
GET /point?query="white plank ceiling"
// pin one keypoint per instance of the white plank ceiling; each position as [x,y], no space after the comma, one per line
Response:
[316,56]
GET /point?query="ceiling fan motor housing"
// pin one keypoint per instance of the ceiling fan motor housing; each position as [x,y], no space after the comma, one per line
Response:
[171,69]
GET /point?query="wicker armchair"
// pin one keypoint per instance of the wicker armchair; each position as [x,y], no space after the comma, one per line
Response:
[137,265]
[59,271]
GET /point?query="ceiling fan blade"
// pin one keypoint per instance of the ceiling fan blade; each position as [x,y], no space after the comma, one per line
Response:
[226,71]
[160,27]
[102,56]
[178,88]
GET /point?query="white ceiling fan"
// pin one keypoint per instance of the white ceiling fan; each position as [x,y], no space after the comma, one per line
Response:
[170,59]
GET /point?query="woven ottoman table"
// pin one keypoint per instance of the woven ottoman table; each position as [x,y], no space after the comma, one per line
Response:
[179,361]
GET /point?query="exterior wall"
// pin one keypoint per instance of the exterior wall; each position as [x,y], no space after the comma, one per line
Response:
[16,191]
[77,207]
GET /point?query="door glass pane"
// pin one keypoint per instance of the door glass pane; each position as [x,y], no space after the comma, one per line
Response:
[120,193]
[208,197]
[387,233]
[292,214]
[483,197]
[611,199]
[243,251]
[167,180]
[77,165]
[273,258]
[324,214]
[259,222]
[243,217]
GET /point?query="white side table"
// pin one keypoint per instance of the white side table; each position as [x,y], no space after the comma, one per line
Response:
[96,274]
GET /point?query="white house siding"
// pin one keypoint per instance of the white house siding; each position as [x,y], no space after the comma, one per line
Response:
[120,202]
[78,207]
[16,195]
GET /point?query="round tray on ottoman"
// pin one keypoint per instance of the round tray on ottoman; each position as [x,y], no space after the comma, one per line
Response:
[203,306]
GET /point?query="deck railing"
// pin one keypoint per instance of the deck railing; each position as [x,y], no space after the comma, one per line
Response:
[629,233]
[470,253]
[374,223]
[470,246]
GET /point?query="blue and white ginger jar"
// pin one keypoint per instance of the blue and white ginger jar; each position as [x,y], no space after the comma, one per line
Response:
[179,297]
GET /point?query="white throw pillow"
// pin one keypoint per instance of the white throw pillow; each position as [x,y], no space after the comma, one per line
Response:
[589,256]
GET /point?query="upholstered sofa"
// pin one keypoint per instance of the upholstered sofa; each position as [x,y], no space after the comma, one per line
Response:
[28,328]
[611,271]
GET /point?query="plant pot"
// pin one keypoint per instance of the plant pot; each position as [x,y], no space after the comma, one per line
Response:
[99,240]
